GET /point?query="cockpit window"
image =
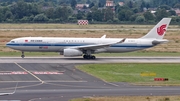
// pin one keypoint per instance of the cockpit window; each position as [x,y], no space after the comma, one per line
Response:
[12,41]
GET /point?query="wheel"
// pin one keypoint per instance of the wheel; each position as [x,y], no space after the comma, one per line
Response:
[88,57]
[93,57]
[22,56]
[85,56]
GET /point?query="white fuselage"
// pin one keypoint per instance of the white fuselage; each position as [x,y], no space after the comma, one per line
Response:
[53,44]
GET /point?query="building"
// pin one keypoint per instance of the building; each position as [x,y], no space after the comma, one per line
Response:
[80,6]
[177,12]
[121,3]
[109,3]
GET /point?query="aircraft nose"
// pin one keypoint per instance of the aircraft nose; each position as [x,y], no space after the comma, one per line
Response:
[8,44]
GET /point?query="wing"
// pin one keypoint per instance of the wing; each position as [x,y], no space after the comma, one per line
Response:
[97,46]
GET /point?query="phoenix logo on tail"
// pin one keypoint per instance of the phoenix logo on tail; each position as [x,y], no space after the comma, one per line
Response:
[161,30]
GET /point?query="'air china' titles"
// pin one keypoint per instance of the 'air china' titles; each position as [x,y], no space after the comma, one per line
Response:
[36,41]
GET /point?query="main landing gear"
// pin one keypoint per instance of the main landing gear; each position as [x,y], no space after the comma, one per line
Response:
[89,57]
[22,55]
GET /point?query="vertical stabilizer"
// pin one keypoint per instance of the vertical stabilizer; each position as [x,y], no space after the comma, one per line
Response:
[159,30]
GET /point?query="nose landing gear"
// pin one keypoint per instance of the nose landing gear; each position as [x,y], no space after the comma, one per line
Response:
[22,55]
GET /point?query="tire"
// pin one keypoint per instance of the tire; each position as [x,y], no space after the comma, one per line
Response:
[93,57]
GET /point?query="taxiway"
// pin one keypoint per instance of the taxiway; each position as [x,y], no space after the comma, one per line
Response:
[97,60]
[57,79]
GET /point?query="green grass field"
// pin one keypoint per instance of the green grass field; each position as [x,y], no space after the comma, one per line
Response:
[130,72]
[131,98]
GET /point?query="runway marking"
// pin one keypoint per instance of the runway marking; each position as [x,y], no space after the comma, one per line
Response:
[13,73]
[22,86]
[54,81]
[71,85]
[63,81]
[17,81]
[29,72]
[47,72]
[112,84]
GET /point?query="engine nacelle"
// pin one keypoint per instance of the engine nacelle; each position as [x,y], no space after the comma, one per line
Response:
[72,52]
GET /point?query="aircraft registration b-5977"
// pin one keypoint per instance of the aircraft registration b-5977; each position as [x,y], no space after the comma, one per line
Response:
[85,47]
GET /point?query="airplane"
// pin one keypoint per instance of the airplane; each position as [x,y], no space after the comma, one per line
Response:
[70,47]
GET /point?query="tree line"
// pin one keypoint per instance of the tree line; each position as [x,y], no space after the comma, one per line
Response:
[64,11]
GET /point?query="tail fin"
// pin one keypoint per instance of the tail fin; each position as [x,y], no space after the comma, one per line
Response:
[159,30]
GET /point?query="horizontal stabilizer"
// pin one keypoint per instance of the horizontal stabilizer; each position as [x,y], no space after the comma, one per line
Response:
[155,42]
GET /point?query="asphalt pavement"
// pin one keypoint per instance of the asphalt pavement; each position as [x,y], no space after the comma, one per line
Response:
[57,79]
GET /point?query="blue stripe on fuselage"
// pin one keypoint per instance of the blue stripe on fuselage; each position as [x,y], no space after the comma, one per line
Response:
[68,45]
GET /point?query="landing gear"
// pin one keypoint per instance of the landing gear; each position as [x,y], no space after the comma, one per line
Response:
[89,57]
[22,55]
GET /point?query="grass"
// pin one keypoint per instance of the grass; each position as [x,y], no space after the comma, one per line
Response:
[131,98]
[130,72]
[66,26]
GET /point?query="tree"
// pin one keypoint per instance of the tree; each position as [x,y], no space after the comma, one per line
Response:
[125,14]
[63,13]
[161,13]
[143,4]
[166,7]
[88,2]
[1,15]
[91,5]
[8,15]
[19,9]
[40,18]
[97,15]
[172,13]
[108,14]
[148,16]
[5,12]
[177,5]
[80,15]
[89,16]
[50,13]
[101,3]
[140,19]
[130,4]
[73,3]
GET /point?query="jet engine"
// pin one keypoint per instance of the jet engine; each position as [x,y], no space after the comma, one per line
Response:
[72,52]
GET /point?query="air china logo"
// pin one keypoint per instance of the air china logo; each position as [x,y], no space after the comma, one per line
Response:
[26,40]
[161,29]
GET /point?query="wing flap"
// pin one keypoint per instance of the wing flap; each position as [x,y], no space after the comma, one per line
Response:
[97,46]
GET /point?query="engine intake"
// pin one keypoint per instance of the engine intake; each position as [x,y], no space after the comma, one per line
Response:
[72,52]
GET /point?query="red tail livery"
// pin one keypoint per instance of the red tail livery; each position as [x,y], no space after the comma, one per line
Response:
[161,30]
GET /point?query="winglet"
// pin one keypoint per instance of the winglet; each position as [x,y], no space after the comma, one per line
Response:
[104,36]
[123,40]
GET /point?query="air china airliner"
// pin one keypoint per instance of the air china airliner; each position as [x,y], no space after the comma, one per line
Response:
[85,47]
